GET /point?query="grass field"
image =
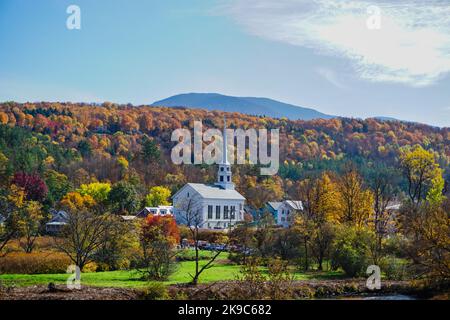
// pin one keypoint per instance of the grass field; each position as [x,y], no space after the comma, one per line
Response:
[130,279]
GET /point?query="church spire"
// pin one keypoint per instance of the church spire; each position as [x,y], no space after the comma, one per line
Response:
[225,143]
[224,174]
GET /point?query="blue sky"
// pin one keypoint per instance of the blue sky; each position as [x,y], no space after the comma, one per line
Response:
[315,53]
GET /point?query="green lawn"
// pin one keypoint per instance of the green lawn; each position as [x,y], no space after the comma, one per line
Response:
[130,279]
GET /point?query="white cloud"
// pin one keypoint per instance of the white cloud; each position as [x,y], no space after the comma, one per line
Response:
[412,46]
[331,77]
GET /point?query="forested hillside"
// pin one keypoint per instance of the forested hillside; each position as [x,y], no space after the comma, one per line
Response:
[72,144]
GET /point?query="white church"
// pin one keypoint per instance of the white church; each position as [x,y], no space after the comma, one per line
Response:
[219,206]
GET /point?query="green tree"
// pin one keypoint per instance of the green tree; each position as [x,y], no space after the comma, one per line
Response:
[353,249]
[118,246]
[3,167]
[85,148]
[58,186]
[242,236]
[150,151]
[123,198]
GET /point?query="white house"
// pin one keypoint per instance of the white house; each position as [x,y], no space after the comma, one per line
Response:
[283,212]
[159,210]
[217,206]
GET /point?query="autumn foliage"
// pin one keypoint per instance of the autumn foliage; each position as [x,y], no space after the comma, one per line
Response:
[159,226]
[33,185]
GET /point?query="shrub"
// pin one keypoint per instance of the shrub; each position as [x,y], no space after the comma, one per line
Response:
[253,283]
[34,263]
[90,267]
[394,268]
[280,284]
[189,255]
[123,264]
[155,291]
[236,257]
[395,246]
[212,236]
[351,250]
[250,282]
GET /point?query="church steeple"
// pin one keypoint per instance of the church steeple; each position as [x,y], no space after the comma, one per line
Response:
[225,143]
[224,174]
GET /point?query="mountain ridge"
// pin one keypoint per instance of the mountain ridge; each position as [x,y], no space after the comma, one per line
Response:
[259,106]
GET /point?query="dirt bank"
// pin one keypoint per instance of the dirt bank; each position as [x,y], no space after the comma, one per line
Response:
[61,293]
[312,289]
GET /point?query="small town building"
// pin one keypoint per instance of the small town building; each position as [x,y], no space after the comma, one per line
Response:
[283,212]
[57,222]
[160,210]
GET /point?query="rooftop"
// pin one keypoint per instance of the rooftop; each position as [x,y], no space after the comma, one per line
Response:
[274,205]
[296,205]
[215,192]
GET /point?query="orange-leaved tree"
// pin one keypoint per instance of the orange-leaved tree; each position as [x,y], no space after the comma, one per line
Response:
[161,226]
[159,236]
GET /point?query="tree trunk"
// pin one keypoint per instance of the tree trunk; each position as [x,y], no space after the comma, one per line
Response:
[196,275]
[306,255]
[320,268]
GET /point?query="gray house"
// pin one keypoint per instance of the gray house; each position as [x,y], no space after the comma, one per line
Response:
[57,222]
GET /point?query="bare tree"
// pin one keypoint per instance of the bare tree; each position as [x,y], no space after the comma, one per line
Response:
[428,230]
[190,212]
[83,235]
[382,181]
[158,259]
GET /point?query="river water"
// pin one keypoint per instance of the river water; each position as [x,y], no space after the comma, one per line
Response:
[379,297]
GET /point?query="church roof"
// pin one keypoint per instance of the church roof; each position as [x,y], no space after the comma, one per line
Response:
[215,192]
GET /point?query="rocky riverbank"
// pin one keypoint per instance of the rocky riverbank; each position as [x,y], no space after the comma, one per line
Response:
[312,289]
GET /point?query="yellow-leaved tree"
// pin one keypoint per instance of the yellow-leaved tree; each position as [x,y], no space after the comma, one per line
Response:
[424,177]
[74,201]
[158,196]
[355,200]
[29,221]
[314,223]
[97,190]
